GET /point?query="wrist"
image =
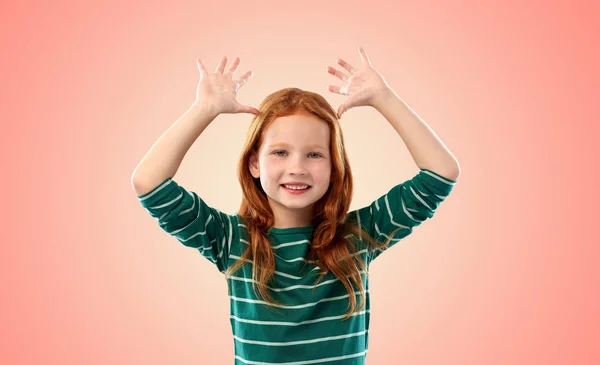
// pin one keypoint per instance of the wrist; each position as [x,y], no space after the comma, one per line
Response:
[204,109]
[383,97]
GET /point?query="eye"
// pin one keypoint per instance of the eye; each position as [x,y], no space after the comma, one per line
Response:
[280,154]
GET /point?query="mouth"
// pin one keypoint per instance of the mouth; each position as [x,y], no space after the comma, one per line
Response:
[295,190]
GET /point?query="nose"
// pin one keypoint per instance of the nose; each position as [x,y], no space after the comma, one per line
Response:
[297,166]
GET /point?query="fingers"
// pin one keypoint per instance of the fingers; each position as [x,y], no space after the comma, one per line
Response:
[242,80]
[338,90]
[341,110]
[234,67]
[363,56]
[221,65]
[253,110]
[342,76]
[201,68]
[247,109]
[347,66]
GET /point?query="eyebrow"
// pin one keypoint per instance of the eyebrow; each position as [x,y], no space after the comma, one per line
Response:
[281,144]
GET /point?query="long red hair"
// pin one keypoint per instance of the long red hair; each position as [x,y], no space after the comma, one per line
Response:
[329,248]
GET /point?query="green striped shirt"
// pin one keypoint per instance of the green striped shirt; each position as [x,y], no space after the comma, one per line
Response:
[308,328]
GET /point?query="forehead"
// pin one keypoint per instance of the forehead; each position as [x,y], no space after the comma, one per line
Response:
[297,130]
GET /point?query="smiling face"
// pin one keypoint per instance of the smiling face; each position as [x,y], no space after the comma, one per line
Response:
[294,149]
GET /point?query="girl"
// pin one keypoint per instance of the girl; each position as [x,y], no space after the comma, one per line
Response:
[295,260]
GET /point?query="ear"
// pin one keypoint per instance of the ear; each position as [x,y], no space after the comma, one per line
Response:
[253,165]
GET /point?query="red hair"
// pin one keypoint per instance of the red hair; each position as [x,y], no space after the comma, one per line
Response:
[329,248]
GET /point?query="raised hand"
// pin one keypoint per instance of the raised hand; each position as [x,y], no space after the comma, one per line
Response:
[362,86]
[218,90]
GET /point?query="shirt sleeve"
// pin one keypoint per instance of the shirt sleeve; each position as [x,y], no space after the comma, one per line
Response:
[184,215]
[404,207]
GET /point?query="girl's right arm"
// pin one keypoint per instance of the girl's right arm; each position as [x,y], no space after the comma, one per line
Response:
[215,95]
[164,158]
[181,212]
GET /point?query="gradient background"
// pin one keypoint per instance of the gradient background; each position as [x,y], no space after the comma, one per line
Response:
[506,273]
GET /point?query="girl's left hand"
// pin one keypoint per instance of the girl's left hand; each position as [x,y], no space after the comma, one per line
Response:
[362,86]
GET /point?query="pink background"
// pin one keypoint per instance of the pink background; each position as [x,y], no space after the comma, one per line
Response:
[506,272]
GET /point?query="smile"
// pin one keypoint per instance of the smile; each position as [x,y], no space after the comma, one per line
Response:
[296,189]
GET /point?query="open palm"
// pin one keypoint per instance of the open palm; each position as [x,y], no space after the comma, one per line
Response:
[219,89]
[362,86]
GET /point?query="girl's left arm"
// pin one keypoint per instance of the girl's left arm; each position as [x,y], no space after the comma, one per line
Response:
[365,86]
[426,148]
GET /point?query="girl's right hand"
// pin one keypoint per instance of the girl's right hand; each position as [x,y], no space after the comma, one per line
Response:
[218,90]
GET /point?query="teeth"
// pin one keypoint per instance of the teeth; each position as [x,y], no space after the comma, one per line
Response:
[296,187]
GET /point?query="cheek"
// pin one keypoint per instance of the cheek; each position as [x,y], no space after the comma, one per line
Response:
[323,171]
[270,172]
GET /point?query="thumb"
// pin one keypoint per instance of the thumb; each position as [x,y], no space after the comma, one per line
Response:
[341,110]
[247,109]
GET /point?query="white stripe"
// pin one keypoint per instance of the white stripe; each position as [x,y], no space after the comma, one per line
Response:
[190,237]
[156,190]
[353,254]
[168,203]
[438,178]
[293,287]
[389,210]
[303,342]
[312,304]
[189,224]
[306,362]
[293,324]
[180,213]
[221,252]
[295,259]
[406,211]
[192,207]
[203,248]
[248,280]
[291,244]
[418,197]
[302,258]
[276,272]
[378,250]
[385,235]
[288,275]
[281,258]
[230,234]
